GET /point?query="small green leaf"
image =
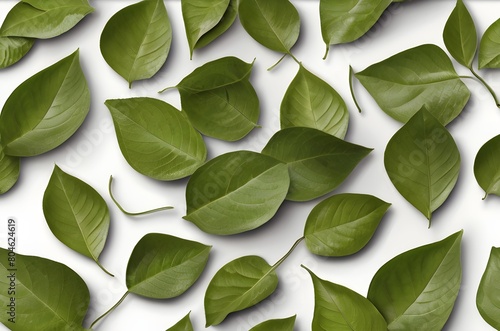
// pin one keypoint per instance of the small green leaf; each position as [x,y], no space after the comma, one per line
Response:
[183,325]
[418,77]
[487,166]
[489,48]
[76,214]
[317,162]
[13,49]
[283,324]
[44,19]
[156,139]
[239,284]
[274,24]
[311,102]
[9,171]
[417,289]
[423,162]
[49,295]
[162,266]
[338,308]
[137,51]
[225,23]
[45,110]
[236,192]
[488,293]
[460,36]
[343,224]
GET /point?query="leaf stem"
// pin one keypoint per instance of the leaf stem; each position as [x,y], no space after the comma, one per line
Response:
[129,213]
[110,309]
[167,88]
[486,85]
[326,52]
[294,58]
[279,61]
[351,75]
[280,261]
[103,269]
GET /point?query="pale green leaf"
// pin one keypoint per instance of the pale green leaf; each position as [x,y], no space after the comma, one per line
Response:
[489,48]
[13,49]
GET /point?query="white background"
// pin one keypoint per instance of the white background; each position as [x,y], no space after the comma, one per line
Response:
[92,154]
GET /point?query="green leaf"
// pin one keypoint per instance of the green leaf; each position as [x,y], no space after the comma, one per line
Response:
[156,139]
[137,51]
[283,324]
[162,266]
[460,36]
[44,19]
[225,23]
[76,214]
[274,24]
[487,166]
[418,77]
[311,102]
[488,293]
[13,49]
[9,171]
[417,289]
[423,162]
[48,294]
[239,284]
[489,48]
[45,110]
[317,162]
[183,325]
[338,308]
[343,224]
[236,192]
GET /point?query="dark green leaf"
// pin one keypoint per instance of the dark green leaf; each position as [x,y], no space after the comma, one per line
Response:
[183,325]
[13,49]
[419,77]
[417,289]
[338,308]
[284,324]
[236,192]
[45,110]
[423,162]
[317,162]
[343,224]
[162,266]
[49,295]
[489,48]
[488,294]
[487,166]
[156,139]
[239,284]
[9,170]
[225,23]
[312,102]
[136,40]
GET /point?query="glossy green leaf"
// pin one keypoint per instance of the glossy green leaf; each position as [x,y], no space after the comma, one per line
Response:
[239,284]
[76,214]
[224,24]
[44,19]
[183,325]
[13,49]
[317,162]
[417,289]
[162,266]
[9,170]
[343,224]
[487,166]
[423,162]
[283,324]
[137,50]
[460,36]
[236,192]
[45,110]
[338,308]
[311,102]
[274,24]
[488,293]
[49,295]
[489,48]
[156,139]
[418,77]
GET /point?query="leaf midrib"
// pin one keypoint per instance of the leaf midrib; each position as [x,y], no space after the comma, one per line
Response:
[231,105]
[410,84]
[338,307]
[269,24]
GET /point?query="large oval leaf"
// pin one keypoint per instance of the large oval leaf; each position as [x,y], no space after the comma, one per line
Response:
[48,295]
[76,214]
[9,170]
[343,224]
[183,325]
[418,77]
[137,50]
[423,162]
[236,192]
[338,308]
[417,289]
[44,18]
[283,324]
[45,110]
[156,139]
[13,49]
[239,284]
[225,23]
[162,266]
[311,102]
[488,293]
[489,48]
[317,162]
[274,24]
[487,166]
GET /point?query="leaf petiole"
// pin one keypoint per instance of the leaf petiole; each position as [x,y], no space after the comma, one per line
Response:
[279,61]
[351,75]
[493,94]
[103,269]
[110,309]
[280,261]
